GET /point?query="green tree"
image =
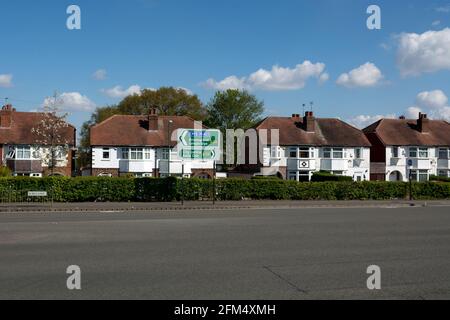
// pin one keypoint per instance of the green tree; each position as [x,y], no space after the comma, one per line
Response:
[234,109]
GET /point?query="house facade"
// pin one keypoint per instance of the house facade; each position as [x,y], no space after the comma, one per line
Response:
[404,147]
[23,151]
[308,144]
[143,146]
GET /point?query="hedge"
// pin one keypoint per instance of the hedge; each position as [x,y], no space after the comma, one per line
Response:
[321,176]
[84,189]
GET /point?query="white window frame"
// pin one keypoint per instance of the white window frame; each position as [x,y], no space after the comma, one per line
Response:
[21,152]
[304,149]
[104,152]
[395,152]
[360,155]
[416,175]
[418,151]
[136,154]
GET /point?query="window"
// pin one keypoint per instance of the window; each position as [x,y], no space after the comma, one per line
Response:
[444,153]
[147,153]
[443,173]
[11,153]
[395,152]
[415,152]
[338,153]
[23,152]
[293,153]
[327,153]
[423,152]
[304,153]
[125,153]
[105,153]
[358,153]
[165,154]
[276,152]
[419,175]
[136,154]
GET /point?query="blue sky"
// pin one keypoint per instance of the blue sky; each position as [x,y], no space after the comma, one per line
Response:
[400,69]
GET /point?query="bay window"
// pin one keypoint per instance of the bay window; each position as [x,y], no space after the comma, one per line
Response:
[419,175]
[23,152]
[304,153]
[444,153]
[415,152]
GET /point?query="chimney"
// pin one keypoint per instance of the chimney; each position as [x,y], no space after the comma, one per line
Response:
[152,119]
[423,123]
[309,121]
[296,117]
[6,116]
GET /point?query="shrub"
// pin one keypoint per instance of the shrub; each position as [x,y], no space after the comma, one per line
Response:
[439,178]
[322,176]
[5,172]
[83,189]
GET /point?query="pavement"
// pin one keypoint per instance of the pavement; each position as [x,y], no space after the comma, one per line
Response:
[264,253]
[206,205]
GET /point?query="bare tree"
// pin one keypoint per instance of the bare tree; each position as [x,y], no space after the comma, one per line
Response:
[51,133]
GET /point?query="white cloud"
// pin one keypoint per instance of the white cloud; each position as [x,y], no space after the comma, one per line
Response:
[436,23]
[434,103]
[119,92]
[422,53]
[100,74]
[189,92]
[6,80]
[432,99]
[413,112]
[278,78]
[443,9]
[366,75]
[363,121]
[72,101]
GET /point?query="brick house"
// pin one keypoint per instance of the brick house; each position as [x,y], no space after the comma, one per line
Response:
[20,150]
[308,144]
[143,146]
[400,147]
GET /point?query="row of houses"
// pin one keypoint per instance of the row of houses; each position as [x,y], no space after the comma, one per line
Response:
[389,149]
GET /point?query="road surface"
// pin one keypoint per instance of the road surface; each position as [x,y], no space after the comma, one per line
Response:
[315,253]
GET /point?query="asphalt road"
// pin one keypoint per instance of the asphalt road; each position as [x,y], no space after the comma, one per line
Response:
[234,254]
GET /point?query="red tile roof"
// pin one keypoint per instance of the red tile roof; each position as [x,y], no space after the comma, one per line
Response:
[129,130]
[19,132]
[405,132]
[328,132]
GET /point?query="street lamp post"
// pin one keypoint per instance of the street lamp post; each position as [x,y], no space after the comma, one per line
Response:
[410,179]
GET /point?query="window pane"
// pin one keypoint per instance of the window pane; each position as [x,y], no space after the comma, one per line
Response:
[395,152]
[413,175]
[337,153]
[304,153]
[443,153]
[423,153]
[413,152]
[327,153]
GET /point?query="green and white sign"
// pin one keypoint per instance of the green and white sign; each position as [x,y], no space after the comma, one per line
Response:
[199,138]
[199,144]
